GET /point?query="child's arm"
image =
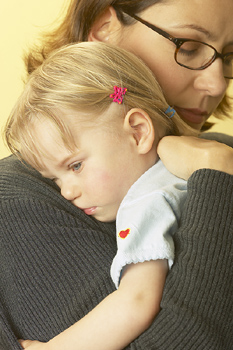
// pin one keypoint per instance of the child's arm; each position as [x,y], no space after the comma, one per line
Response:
[119,318]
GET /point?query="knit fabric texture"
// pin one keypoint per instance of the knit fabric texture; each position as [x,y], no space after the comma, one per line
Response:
[55,264]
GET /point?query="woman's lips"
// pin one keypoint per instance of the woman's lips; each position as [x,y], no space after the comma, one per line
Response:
[192,115]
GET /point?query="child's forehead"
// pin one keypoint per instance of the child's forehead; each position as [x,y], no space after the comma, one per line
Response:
[52,135]
[44,138]
[42,155]
[64,128]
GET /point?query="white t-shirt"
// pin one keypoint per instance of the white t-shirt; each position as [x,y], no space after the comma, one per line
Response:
[147,218]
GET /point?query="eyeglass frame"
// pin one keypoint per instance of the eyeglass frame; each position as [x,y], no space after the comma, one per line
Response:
[180,41]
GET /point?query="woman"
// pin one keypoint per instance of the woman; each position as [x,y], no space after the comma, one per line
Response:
[49,270]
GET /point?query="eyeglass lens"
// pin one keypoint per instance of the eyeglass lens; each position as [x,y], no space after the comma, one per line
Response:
[197,55]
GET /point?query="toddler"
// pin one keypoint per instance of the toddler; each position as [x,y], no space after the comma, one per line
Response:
[90,119]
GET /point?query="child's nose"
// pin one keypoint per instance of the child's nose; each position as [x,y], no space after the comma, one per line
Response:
[70,191]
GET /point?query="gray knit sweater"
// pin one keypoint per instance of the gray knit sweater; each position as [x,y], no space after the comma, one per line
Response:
[55,261]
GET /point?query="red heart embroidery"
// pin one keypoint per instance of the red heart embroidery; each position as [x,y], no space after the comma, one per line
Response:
[124,233]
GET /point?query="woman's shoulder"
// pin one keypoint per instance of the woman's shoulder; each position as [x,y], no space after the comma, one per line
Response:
[12,166]
[217,136]
[20,181]
[15,175]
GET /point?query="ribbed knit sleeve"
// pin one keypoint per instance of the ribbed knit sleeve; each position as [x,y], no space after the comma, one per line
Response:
[55,261]
[197,305]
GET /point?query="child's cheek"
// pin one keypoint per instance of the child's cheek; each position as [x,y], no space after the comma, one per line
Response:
[103,183]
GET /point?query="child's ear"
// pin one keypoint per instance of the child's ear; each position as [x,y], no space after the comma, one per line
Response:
[104,26]
[138,123]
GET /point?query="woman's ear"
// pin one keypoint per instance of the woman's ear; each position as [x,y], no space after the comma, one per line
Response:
[138,123]
[104,26]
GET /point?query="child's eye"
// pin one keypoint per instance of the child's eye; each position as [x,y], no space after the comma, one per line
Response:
[76,166]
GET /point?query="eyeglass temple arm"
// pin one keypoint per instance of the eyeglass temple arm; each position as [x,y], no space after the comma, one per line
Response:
[151,26]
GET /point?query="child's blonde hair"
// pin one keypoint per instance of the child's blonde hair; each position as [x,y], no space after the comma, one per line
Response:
[81,77]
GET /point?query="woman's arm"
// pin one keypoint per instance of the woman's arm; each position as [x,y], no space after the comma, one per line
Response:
[54,259]
[120,317]
[197,305]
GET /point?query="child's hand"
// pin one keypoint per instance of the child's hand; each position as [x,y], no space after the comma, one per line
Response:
[33,345]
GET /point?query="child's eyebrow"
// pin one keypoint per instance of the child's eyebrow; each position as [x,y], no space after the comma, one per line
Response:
[46,173]
[67,159]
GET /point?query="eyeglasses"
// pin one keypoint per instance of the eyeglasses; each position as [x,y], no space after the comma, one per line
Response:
[194,54]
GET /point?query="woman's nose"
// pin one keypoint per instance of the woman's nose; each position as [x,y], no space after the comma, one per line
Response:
[211,80]
[70,190]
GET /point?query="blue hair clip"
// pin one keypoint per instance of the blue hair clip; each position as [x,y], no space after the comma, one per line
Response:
[170,112]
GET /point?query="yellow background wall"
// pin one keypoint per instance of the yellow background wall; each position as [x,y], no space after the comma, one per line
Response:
[21,21]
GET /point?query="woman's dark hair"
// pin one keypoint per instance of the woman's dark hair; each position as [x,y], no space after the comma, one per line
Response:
[77,23]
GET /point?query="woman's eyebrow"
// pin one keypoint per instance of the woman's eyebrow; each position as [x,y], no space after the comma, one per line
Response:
[197,28]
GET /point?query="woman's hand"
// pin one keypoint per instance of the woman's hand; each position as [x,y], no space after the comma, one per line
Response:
[33,345]
[182,155]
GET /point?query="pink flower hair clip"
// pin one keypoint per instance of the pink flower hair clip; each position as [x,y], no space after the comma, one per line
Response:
[118,94]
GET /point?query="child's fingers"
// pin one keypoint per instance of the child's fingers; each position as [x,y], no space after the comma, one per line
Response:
[25,343]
